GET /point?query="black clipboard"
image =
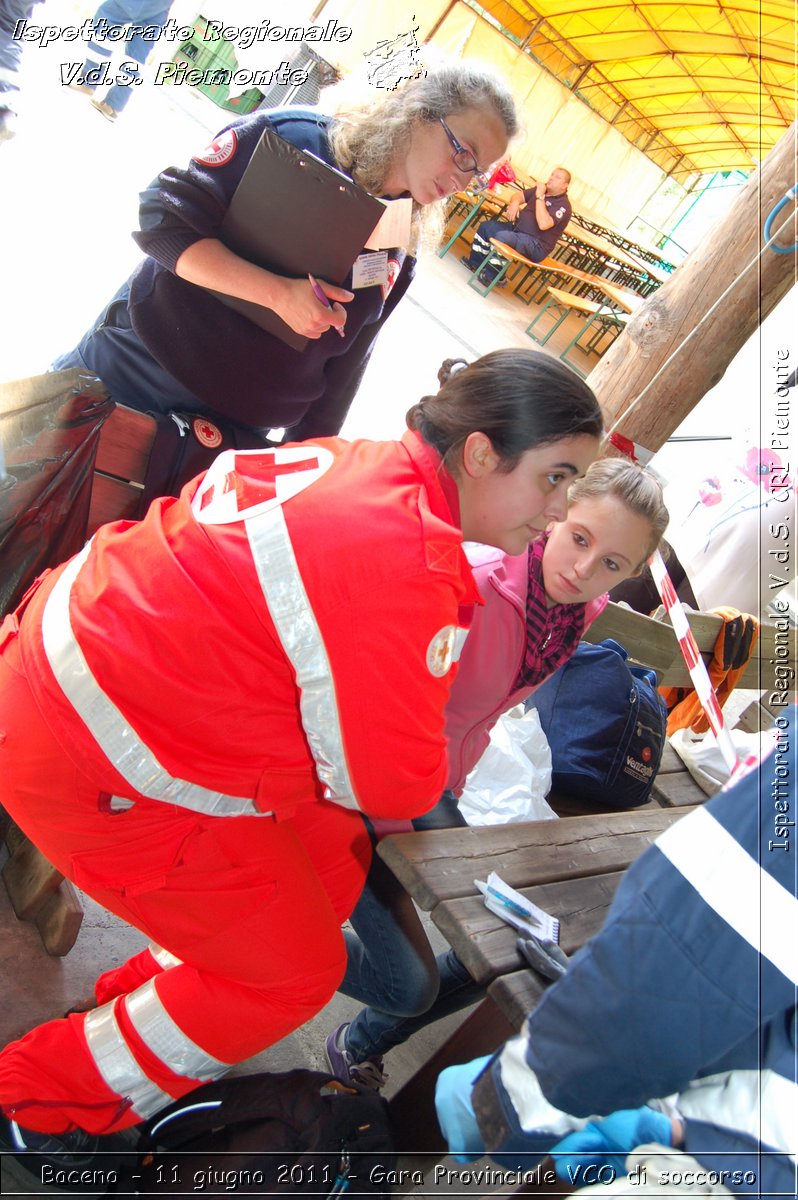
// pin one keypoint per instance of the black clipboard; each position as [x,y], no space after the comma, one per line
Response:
[295,215]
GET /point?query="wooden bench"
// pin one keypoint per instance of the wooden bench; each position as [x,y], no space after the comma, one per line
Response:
[654,644]
[606,316]
[584,282]
[515,262]
[510,258]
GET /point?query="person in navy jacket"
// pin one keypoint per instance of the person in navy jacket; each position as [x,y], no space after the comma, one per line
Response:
[532,222]
[688,992]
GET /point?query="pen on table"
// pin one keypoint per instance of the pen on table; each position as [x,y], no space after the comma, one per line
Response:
[325,300]
[510,904]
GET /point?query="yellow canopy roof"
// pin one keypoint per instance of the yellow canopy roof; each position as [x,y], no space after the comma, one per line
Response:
[700,86]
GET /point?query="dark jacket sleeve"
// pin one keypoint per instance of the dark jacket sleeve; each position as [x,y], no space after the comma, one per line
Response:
[344,373]
[186,204]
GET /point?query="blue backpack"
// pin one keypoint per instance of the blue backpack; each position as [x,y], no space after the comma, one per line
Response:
[605,723]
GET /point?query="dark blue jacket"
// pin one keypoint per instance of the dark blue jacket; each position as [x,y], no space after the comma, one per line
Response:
[689,989]
[230,364]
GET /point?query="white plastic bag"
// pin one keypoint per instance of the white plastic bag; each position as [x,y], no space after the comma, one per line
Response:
[701,755]
[512,779]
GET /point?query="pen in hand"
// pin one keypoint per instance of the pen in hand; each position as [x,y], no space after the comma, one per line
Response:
[325,300]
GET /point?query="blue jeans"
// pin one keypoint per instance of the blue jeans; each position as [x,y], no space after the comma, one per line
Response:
[524,243]
[118,13]
[11,11]
[445,815]
[392,969]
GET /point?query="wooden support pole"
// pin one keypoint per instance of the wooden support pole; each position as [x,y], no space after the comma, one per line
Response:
[729,252]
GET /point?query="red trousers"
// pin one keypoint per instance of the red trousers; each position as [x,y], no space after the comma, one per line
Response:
[250,908]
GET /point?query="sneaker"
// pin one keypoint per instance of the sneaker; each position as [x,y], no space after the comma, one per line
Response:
[369,1073]
[78,85]
[466,261]
[28,1155]
[109,113]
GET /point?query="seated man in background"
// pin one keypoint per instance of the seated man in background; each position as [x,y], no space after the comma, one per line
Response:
[544,212]
[688,992]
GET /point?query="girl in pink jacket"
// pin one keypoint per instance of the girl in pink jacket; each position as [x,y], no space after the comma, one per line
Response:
[537,607]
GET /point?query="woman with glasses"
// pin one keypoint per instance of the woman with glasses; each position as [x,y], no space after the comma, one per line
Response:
[165,343]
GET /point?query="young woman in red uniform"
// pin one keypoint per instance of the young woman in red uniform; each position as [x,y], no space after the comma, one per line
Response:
[186,722]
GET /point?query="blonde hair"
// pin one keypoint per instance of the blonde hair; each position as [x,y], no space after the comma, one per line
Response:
[638,489]
[367,134]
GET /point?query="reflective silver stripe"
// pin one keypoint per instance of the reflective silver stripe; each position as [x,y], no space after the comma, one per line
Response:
[115,737]
[534,1112]
[116,1064]
[295,622]
[734,886]
[164,1037]
[762,1104]
[201,1106]
[164,958]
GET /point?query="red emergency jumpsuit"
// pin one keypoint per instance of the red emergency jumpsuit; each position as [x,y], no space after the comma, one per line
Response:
[194,711]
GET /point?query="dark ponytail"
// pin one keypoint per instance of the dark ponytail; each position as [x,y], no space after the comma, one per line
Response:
[517,398]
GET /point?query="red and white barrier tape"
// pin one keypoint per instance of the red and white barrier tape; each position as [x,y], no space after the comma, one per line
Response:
[694,661]
[633,450]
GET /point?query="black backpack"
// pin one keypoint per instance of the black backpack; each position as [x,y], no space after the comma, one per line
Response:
[301,1132]
[605,724]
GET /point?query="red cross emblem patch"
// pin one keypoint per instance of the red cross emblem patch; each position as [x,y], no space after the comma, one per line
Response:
[241,484]
[220,151]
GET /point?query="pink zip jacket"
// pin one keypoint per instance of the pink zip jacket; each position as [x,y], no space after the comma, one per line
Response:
[491,657]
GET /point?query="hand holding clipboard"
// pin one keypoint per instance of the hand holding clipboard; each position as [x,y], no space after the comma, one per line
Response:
[293,215]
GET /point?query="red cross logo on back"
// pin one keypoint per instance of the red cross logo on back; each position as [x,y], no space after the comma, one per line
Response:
[243,483]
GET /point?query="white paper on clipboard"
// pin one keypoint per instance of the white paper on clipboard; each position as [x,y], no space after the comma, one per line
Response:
[393,227]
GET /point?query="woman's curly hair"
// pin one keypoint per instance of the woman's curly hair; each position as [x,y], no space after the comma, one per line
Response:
[367,135]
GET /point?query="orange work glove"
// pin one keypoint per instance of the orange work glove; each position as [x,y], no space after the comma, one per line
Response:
[733,648]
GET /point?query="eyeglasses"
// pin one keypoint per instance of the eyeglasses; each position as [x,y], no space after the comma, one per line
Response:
[464,160]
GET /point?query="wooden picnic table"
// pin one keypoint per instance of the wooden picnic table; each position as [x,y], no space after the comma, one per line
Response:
[570,867]
[648,256]
[593,252]
[474,205]
[607,316]
[605,248]
[624,298]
